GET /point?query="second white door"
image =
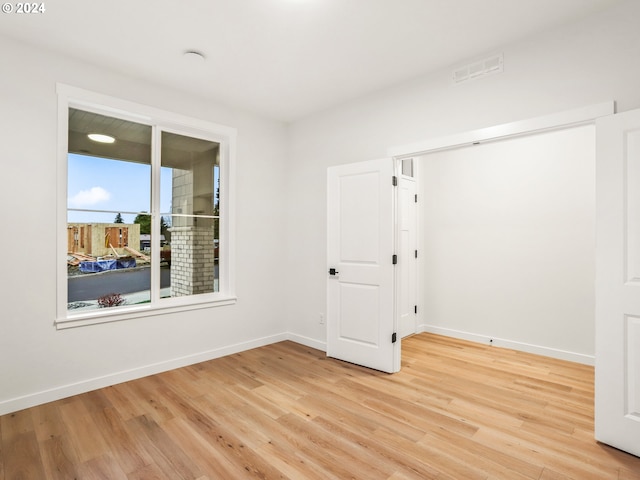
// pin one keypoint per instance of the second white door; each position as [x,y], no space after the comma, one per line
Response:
[617,412]
[407,267]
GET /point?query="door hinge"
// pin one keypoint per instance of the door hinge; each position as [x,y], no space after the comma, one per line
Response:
[416,254]
[415,309]
[394,337]
[394,181]
[416,198]
[394,259]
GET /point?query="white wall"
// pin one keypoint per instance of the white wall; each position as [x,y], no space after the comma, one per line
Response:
[39,363]
[508,247]
[281,244]
[591,61]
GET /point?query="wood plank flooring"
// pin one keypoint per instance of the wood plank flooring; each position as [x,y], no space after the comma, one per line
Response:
[457,410]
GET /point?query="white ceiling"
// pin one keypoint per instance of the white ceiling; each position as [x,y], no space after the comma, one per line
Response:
[286,59]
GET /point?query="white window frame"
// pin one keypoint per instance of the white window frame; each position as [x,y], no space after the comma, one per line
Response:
[160,120]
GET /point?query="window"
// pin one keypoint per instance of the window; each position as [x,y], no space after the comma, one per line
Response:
[147,211]
[407,167]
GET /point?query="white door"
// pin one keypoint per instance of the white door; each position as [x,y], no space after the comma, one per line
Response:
[617,406]
[407,267]
[360,276]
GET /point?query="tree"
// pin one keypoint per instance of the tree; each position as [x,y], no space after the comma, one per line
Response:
[144,221]
[164,228]
[118,219]
[216,213]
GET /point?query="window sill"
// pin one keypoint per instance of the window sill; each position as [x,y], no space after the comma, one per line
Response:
[119,314]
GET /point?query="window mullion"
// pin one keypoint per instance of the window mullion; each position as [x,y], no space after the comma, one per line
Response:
[155,213]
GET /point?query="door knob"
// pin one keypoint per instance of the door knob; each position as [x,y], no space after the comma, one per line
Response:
[332,271]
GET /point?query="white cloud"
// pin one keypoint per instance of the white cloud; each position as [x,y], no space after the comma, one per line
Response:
[85,198]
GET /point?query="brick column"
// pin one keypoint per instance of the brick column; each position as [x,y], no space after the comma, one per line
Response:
[192,262]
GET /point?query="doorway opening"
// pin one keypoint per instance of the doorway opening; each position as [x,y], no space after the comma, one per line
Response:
[495,232]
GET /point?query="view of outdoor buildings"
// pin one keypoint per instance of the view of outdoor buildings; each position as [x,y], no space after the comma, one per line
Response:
[117,236]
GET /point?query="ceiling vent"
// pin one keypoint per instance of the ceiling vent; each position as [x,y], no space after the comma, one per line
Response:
[479,69]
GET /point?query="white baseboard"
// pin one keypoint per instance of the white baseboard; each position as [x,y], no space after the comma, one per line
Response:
[64,391]
[309,342]
[514,345]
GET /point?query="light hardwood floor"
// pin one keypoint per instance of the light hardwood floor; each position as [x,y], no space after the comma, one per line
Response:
[457,410]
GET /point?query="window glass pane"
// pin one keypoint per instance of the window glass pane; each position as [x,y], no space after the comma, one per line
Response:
[407,167]
[190,177]
[103,184]
[105,267]
[131,140]
[108,183]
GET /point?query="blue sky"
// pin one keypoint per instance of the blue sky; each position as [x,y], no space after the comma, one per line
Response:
[103,184]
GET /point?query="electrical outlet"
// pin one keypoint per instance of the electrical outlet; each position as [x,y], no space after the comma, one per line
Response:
[322,319]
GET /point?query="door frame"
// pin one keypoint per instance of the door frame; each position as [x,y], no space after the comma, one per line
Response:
[556,121]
